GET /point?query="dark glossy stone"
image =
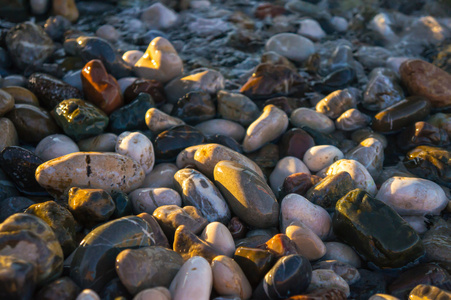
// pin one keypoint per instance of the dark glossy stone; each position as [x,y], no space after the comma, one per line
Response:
[290,276]
[187,244]
[269,81]
[50,90]
[123,204]
[148,267]
[7,188]
[63,288]
[295,142]
[225,141]
[422,133]
[141,85]
[56,26]
[255,263]
[422,274]
[32,123]
[28,44]
[20,164]
[383,90]
[429,292]
[169,143]
[160,238]
[248,195]
[194,107]
[17,278]
[266,158]
[22,95]
[254,241]
[298,183]
[370,283]
[12,205]
[80,119]
[237,228]
[431,163]
[115,290]
[60,220]
[130,117]
[280,245]
[321,138]
[336,80]
[287,104]
[336,103]
[170,217]
[93,263]
[401,114]
[376,231]
[90,206]
[327,192]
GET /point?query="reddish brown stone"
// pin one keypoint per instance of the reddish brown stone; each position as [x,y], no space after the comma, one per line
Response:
[298,183]
[280,245]
[149,86]
[101,88]
[269,10]
[237,228]
[295,142]
[424,79]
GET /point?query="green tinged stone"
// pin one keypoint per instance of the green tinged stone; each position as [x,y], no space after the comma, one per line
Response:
[79,119]
[376,231]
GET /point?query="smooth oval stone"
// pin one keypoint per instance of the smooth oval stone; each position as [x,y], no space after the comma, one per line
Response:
[60,220]
[229,279]
[358,172]
[141,85]
[131,57]
[15,80]
[370,153]
[90,206]
[336,103]
[149,199]
[237,107]
[429,292]
[255,263]
[20,165]
[328,279]
[101,88]
[320,157]
[79,119]
[424,79]
[160,61]
[137,146]
[162,175]
[401,114]
[188,245]
[429,163]
[285,167]
[28,237]
[327,192]
[193,281]
[342,253]
[347,272]
[170,217]
[308,117]
[130,116]
[198,191]
[62,288]
[207,156]
[158,121]
[169,143]
[383,90]
[222,127]
[295,142]
[21,95]
[293,46]
[54,146]
[194,107]
[6,102]
[413,196]
[270,125]
[17,279]
[391,243]
[422,133]
[219,237]
[93,263]
[50,90]
[32,123]
[8,134]
[248,196]
[296,208]
[105,142]
[88,169]
[291,275]
[351,120]
[147,267]
[311,29]
[12,205]
[308,244]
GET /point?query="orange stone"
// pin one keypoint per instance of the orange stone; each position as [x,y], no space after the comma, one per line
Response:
[424,79]
[281,245]
[100,88]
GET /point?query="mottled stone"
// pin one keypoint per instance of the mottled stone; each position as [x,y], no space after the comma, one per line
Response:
[63,288]
[351,120]
[137,146]
[422,133]
[170,217]
[237,107]
[328,279]
[188,245]
[429,292]
[347,272]
[149,199]
[54,146]
[358,172]
[336,103]
[149,86]
[194,107]
[17,278]
[370,153]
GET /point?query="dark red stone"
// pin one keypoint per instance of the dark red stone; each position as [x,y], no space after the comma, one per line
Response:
[149,86]
[295,142]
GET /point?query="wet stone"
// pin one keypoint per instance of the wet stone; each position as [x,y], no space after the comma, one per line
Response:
[266,159]
[158,121]
[115,290]
[280,245]
[336,103]
[162,175]
[105,142]
[351,120]
[350,274]
[149,199]
[308,117]
[79,119]
[219,237]
[8,134]
[237,228]
[21,95]
[429,292]
[169,143]
[307,242]
[370,153]
[298,183]
[6,102]
[255,263]
[285,167]
[61,289]
[328,279]
[229,279]
[422,133]
[123,204]
[50,90]
[194,107]
[437,241]
[237,107]
[322,293]
[370,283]
[383,90]
[12,205]
[137,146]
[17,279]
[141,85]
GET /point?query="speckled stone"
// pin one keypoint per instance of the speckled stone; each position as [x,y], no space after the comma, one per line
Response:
[137,146]
[149,199]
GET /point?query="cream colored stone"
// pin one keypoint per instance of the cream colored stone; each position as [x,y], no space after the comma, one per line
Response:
[158,293]
[158,121]
[342,252]
[319,157]
[88,294]
[162,175]
[219,237]
[55,145]
[131,57]
[370,153]
[358,172]
[229,279]
[328,279]
[307,242]
[313,119]
[66,8]
[222,127]
[137,146]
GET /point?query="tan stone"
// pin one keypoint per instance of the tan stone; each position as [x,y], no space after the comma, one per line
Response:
[6,102]
[229,279]
[66,8]
[308,243]
[8,134]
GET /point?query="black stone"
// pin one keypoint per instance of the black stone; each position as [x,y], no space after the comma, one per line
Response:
[169,143]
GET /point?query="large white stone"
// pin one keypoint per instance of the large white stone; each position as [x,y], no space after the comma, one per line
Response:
[137,146]
[358,172]
[319,157]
